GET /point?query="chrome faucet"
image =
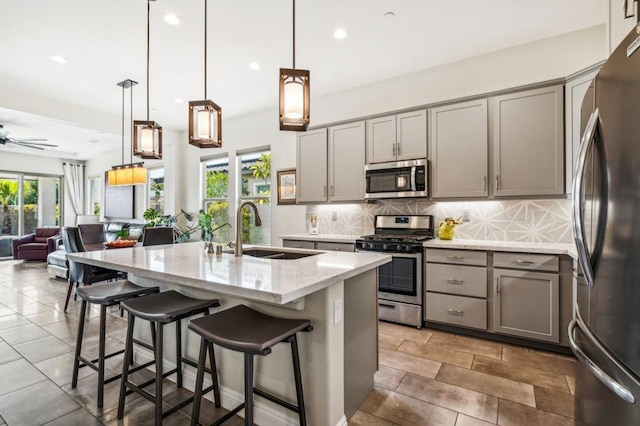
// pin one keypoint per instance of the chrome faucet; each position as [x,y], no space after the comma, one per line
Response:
[237,248]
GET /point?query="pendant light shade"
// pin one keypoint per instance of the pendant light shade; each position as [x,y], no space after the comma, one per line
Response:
[205,117]
[295,95]
[147,134]
[132,173]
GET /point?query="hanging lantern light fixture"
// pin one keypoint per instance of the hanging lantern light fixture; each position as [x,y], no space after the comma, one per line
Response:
[132,173]
[294,92]
[205,117]
[147,135]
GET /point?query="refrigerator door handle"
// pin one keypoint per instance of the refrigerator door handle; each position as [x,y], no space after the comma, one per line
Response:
[622,392]
[578,219]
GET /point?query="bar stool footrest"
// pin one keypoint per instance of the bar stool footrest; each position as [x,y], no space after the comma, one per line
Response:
[86,362]
[277,400]
[228,415]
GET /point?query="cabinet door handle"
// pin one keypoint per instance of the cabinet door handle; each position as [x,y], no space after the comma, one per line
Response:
[399,150]
[497,182]
[324,190]
[524,262]
[454,281]
[296,246]
[484,183]
[332,191]
[384,305]
[456,258]
[452,311]
[497,285]
[394,149]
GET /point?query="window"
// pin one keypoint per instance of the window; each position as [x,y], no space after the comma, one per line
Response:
[254,170]
[94,196]
[156,189]
[216,195]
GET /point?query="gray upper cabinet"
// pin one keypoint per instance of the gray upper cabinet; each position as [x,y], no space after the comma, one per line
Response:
[397,137]
[458,138]
[346,162]
[575,121]
[311,171]
[528,142]
[527,304]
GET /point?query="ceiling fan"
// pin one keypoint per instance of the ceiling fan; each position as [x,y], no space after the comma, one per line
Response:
[35,143]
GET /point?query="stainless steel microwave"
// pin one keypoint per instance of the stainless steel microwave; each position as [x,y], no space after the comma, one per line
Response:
[399,179]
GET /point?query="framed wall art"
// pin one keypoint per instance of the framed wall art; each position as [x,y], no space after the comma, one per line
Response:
[287,186]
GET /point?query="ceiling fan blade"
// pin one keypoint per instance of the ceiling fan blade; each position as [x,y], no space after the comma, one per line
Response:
[29,139]
[31,142]
[27,145]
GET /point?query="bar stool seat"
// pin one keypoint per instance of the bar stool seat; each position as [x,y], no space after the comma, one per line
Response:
[243,329]
[104,295]
[161,309]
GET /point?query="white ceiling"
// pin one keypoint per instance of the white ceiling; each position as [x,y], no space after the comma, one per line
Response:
[104,42]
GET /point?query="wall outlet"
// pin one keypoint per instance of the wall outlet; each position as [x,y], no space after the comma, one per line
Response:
[466,215]
[337,311]
[334,215]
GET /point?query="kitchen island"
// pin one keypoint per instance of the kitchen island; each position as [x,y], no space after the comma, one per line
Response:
[337,291]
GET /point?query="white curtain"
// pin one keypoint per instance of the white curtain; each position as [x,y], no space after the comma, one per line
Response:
[74,176]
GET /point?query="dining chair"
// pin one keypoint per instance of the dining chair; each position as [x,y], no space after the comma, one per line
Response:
[157,235]
[81,272]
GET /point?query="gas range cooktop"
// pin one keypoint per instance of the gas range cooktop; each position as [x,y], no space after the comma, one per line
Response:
[400,234]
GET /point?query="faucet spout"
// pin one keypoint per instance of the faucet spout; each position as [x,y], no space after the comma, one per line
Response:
[237,250]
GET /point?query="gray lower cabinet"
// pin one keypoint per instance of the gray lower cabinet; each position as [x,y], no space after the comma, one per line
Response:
[319,245]
[456,287]
[527,304]
[527,136]
[301,244]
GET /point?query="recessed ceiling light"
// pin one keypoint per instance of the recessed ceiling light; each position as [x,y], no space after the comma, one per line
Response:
[339,34]
[58,59]
[389,15]
[254,66]
[178,101]
[171,19]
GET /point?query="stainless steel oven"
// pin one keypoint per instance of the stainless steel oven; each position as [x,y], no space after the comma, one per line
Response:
[400,282]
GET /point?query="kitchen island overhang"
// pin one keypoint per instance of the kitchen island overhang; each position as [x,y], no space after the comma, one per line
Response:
[337,291]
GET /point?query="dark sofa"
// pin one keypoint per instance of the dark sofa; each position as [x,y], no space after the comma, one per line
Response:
[38,245]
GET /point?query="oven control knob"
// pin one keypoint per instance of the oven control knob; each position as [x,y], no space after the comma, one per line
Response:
[385,247]
[407,248]
[371,245]
[399,247]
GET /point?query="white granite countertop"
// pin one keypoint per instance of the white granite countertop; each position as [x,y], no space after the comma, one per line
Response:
[330,238]
[262,280]
[519,246]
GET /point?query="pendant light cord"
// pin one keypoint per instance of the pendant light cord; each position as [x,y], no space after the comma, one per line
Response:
[294,34]
[148,42]
[131,120]
[122,124]
[205,49]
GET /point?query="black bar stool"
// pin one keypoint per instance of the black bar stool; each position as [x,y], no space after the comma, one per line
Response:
[243,329]
[104,295]
[161,309]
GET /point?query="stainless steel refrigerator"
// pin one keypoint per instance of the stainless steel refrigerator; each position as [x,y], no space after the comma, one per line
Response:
[605,331]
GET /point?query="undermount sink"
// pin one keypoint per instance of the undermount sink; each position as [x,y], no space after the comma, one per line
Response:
[276,254]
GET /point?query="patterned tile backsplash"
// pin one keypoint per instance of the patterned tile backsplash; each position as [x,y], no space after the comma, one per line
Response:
[516,220]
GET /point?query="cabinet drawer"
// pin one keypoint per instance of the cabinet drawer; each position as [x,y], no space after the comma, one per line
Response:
[455,279]
[457,310]
[459,257]
[299,244]
[539,262]
[335,246]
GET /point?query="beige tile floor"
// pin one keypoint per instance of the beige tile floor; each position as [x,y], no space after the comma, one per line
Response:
[426,377]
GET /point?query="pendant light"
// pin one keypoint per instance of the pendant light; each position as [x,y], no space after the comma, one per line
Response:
[147,135]
[294,92]
[132,173]
[205,117]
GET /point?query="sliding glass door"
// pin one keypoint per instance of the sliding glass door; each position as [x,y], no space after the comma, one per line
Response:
[27,202]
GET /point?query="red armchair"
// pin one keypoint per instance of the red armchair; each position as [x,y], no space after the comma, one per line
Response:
[38,245]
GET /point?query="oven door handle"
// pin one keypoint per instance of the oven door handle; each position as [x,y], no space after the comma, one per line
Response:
[385,305]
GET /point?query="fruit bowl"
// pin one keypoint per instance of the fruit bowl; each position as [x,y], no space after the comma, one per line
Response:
[120,243]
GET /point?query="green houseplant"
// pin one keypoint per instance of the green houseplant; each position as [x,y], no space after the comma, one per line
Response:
[203,222]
